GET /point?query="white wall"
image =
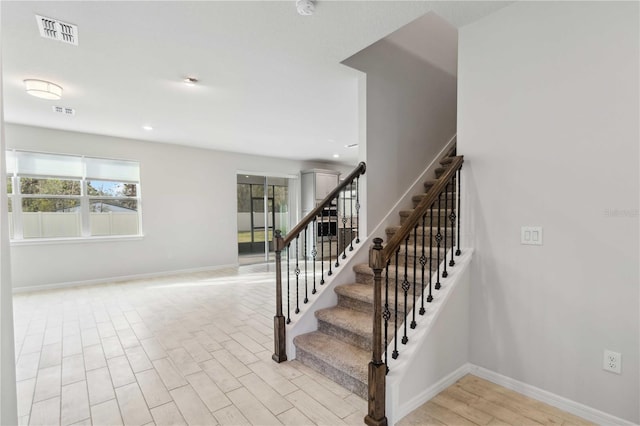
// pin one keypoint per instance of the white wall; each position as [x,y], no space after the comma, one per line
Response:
[410,116]
[8,399]
[188,207]
[548,125]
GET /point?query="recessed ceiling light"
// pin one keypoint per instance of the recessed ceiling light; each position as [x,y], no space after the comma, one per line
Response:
[336,155]
[43,89]
[147,127]
[352,145]
[190,81]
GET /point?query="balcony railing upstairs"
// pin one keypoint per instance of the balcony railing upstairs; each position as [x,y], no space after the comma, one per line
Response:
[312,250]
[406,275]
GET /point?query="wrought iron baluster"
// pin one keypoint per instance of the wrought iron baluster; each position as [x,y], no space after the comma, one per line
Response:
[314,251]
[445,274]
[351,216]
[415,273]
[330,244]
[431,238]
[452,218]
[386,314]
[423,262]
[344,225]
[297,272]
[459,211]
[288,283]
[358,210]
[438,239]
[337,230]
[322,247]
[306,275]
[405,288]
[394,354]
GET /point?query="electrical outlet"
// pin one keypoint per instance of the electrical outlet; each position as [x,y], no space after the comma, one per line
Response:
[612,361]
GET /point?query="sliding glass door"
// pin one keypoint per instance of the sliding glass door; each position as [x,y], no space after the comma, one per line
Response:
[263,207]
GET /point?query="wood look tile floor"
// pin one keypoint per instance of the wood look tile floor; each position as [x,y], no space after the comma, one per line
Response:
[187,349]
[474,401]
[196,349]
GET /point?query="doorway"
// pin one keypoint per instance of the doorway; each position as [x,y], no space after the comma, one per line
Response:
[263,208]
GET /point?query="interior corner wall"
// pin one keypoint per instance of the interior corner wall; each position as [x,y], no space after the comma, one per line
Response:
[189,209]
[410,116]
[548,124]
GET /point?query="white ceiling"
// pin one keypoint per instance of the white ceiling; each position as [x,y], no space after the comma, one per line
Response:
[271,82]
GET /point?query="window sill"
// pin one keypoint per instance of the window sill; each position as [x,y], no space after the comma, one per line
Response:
[75,240]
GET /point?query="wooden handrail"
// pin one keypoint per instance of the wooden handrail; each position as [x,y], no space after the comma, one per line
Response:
[420,210]
[300,227]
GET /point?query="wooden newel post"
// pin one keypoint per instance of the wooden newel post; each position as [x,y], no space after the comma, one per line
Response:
[377,369]
[279,330]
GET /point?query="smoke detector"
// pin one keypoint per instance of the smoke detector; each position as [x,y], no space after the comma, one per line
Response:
[54,29]
[305,7]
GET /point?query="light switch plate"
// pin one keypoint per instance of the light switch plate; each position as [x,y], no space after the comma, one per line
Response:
[531,235]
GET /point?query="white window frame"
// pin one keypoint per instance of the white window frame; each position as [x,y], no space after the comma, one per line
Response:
[16,198]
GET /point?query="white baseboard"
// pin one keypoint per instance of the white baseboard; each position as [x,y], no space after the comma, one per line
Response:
[565,404]
[27,289]
[432,391]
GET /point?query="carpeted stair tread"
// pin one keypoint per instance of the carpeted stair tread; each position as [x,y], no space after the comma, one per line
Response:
[342,362]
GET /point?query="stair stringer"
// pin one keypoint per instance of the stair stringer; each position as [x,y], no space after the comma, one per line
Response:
[437,348]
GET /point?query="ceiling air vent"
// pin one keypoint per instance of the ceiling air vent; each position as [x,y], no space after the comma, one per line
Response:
[57,30]
[64,110]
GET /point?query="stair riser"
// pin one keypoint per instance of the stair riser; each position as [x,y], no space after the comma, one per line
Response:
[450,200]
[359,387]
[363,342]
[368,279]
[444,218]
[362,306]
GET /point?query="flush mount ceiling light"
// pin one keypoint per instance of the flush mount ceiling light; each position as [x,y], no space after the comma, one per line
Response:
[43,89]
[305,7]
[336,155]
[147,127]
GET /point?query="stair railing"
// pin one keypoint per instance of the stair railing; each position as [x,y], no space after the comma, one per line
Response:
[315,240]
[397,262]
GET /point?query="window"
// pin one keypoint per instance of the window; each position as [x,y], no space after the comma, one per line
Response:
[64,196]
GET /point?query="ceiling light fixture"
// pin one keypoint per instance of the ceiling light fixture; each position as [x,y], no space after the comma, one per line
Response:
[147,127]
[336,155]
[190,81]
[43,89]
[305,7]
